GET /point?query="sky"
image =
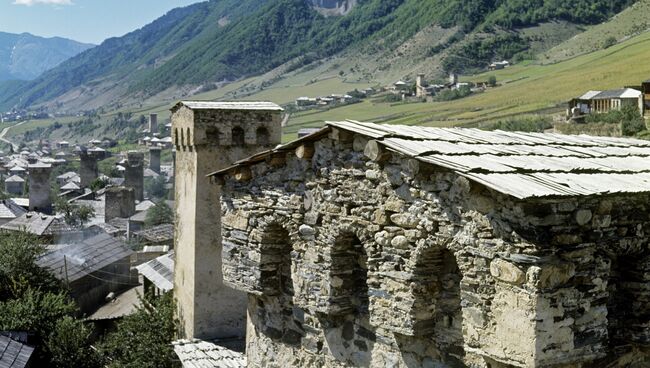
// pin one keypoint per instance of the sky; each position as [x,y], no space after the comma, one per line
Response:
[90,21]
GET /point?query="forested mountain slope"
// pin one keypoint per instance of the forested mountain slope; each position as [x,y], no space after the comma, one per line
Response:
[25,56]
[199,47]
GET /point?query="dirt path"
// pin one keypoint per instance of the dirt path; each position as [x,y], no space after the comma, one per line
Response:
[4,132]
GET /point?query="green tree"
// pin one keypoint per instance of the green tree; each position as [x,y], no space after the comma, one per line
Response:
[74,215]
[159,214]
[143,339]
[69,347]
[492,81]
[156,187]
[18,269]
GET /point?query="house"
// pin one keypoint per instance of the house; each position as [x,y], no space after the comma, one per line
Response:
[386,245]
[92,268]
[9,211]
[157,235]
[498,65]
[306,101]
[15,185]
[48,228]
[599,102]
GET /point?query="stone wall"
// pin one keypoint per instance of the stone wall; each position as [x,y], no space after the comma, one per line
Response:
[400,264]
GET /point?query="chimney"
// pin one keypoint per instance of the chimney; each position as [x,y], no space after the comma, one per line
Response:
[120,203]
[134,174]
[39,187]
[210,136]
[88,170]
[154,159]
[153,123]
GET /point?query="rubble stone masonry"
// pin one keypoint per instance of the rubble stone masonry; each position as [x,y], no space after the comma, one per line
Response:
[349,262]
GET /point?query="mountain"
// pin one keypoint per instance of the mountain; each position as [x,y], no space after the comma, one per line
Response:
[203,46]
[25,56]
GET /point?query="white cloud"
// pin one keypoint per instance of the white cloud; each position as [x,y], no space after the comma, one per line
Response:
[34,2]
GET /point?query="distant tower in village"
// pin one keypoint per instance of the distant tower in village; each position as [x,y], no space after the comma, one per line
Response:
[420,86]
[154,159]
[39,187]
[209,136]
[153,123]
[88,169]
[134,173]
[453,78]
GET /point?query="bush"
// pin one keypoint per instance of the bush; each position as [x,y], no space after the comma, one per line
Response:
[143,340]
[68,345]
[609,42]
[492,81]
[530,124]
[628,118]
[449,95]
[159,214]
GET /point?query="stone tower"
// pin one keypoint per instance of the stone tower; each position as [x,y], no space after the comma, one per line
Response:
[134,174]
[153,123]
[120,203]
[88,170]
[154,159]
[209,136]
[39,187]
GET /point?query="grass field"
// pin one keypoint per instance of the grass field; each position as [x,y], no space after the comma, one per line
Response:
[525,89]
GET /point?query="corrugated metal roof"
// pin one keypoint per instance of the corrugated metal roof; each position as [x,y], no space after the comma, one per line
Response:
[14,354]
[617,93]
[159,271]
[216,105]
[78,260]
[205,354]
[520,164]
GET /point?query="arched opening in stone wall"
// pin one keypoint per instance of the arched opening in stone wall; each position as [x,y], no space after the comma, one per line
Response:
[176,137]
[628,311]
[280,319]
[212,135]
[349,276]
[238,136]
[349,335]
[189,140]
[437,311]
[262,136]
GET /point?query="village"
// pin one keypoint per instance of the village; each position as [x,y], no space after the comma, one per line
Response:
[358,244]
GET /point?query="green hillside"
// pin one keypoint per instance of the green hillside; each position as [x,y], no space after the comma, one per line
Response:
[193,49]
[524,90]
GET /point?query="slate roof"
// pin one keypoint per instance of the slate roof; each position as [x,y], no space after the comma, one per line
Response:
[244,105]
[523,165]
[85,257]
[38,224]
[157,234]
[14,179]
[160,271]
[10,210]
[14,354]
[204,354]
